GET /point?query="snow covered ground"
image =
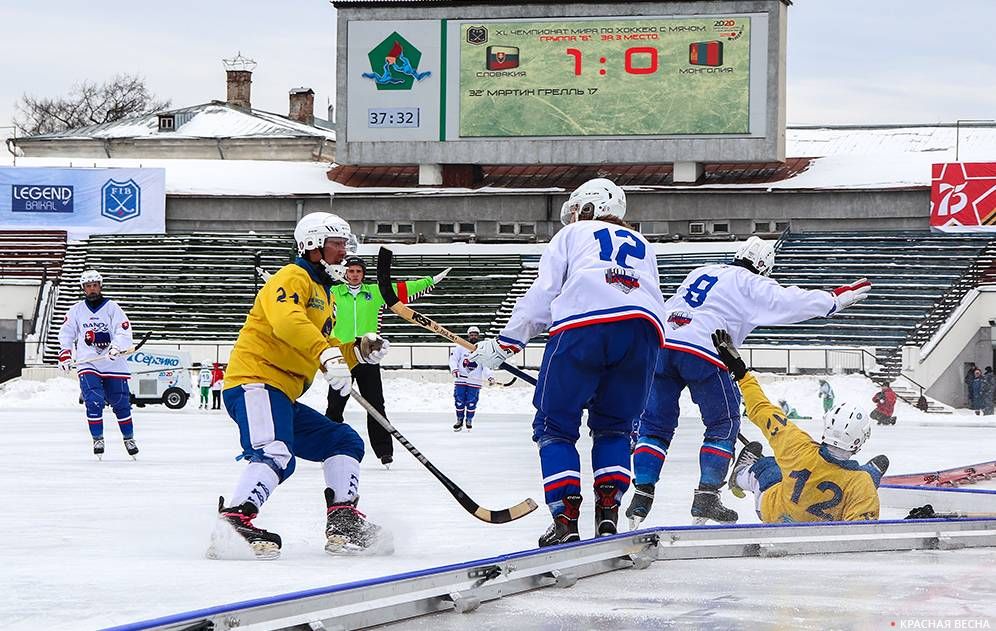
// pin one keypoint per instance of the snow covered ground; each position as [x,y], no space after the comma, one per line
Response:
[94,544]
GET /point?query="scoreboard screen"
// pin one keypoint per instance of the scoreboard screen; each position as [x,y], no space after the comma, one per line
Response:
[605,77]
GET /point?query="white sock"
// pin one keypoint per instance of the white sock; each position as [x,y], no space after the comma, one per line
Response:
[255,485]
[342,475]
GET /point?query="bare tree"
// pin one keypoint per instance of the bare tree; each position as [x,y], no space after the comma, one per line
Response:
[87,104]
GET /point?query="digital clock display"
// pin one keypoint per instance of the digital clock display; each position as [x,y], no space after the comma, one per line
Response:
[393,117]
[651,76]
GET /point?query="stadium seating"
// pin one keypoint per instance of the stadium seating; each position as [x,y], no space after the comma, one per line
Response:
[198,288]
[32,254]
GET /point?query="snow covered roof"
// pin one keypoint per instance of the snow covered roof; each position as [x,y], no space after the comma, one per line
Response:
[846,158]
[216,119]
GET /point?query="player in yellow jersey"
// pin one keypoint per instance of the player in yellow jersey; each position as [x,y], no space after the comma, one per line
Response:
[805,481]
[283,343]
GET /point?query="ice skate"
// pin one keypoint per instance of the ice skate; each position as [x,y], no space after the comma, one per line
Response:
[386,461]
[235,531]
[458,426]
[470,425]
[606,510]
[131,447]
[706,506]
[98,448]
[348,532]
[564,528]
[639,506]
[750,454]
[880,462]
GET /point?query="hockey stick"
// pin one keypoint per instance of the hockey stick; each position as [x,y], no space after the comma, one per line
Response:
[127,351]
[384,259]
[502,516]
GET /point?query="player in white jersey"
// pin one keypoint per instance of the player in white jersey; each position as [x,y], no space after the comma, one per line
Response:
[736,298]
[97,333]
[598,294]
[468,377]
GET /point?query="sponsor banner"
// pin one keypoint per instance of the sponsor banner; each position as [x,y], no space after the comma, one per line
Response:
[650,76]
[83,201]
[963,197]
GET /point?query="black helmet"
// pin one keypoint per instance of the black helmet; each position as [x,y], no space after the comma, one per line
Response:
[355,260]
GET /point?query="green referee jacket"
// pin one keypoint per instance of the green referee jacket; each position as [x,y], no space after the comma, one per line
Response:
[360,314]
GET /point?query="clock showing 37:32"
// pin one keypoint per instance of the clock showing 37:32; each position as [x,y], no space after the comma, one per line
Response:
[393,117]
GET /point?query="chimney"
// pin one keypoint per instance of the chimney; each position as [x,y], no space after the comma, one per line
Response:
[239,79]
[302,106]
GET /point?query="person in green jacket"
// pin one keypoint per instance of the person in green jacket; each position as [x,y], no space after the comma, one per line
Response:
[358,307]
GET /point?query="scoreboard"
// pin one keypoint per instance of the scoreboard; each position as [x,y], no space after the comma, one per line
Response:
[462,89]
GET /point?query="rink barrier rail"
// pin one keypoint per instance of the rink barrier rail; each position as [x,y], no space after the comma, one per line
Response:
[463,587]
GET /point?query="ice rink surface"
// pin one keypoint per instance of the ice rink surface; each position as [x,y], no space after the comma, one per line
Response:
[95,544]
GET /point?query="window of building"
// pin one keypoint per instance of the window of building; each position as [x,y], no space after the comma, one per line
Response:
[446,228]
[516,228]
[405,228]
[762,226]
[696,227]
[720,227]
[527,228]
[468,228]
[385,228]
[781,226]
[167,122]
[506,228]
[636,225]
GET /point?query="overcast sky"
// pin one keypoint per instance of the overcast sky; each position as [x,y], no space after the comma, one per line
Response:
[849,61]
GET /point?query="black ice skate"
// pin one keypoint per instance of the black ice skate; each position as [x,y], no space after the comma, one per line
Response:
[880,462]
[98,447]
[706,506]
[348,532]
[131,447]
[458,426]
[263,544]
[386,461]
[750,454]
[606,510]
[639,506]
[470,425]
[564,528]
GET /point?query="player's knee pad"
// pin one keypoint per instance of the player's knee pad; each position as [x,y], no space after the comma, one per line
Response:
[277,456]
[94,406]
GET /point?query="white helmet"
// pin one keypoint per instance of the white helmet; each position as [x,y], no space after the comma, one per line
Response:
[312,231]
[473,329]
[846,426]
[760,254]
[599,195]
[91,276]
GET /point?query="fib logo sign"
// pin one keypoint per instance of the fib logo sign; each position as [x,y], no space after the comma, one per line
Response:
[121,201]
[394,64]
[963,197]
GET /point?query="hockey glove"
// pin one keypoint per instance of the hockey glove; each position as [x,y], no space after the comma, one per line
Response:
[492,353]
[440,276]
[113,353]
[846,295]
[371,348]
[336,371]
[728,353]
[66,360]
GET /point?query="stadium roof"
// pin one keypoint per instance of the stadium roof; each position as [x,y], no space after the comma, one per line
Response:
[467,3]
[216,119]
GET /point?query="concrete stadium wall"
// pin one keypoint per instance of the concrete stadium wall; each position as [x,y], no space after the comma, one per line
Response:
[659,213]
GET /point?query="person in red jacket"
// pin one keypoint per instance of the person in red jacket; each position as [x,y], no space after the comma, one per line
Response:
[217,383]
[885,404]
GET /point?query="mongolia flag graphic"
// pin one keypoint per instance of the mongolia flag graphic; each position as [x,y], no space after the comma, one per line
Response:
[502,57]
[706,53]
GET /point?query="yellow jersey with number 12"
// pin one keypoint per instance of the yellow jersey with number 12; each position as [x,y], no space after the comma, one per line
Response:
[815,486]
[288,327]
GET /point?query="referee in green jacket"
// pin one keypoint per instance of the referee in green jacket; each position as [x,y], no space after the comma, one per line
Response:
[358,306]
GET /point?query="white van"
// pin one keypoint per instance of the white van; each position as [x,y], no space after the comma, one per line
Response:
[160,375]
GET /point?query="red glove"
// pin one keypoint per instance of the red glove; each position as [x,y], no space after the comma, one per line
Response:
[65,359]
[847,295]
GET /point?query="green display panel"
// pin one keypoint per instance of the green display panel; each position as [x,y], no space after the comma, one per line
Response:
[605,77]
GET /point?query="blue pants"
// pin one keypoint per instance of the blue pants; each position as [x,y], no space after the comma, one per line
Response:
[274,430]
[606,368]
[99,391]
[465,400]
[718,399]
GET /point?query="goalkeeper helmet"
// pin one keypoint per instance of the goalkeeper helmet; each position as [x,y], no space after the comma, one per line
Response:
[759,254]
[846,426]
[593,199]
